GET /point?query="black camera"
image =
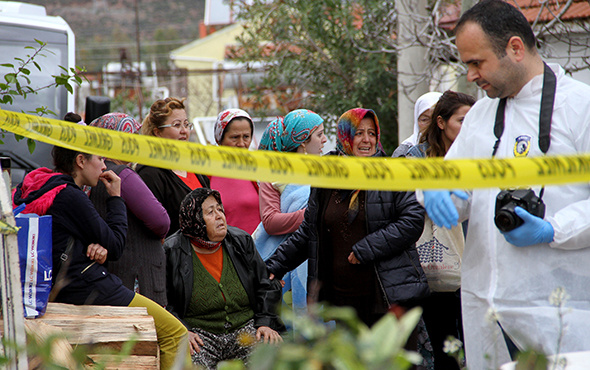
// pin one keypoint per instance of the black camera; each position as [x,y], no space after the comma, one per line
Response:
[507,200]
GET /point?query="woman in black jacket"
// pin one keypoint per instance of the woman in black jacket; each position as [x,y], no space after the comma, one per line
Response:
[217,284]
[360,244]
[167,119]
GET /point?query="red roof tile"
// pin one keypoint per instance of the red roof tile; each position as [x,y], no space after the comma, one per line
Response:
[580,9]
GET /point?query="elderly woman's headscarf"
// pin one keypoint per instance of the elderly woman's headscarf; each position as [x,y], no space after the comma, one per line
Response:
[285,135]
[347,125]
[118,122]
[224,118]
[191,219]
[424,103]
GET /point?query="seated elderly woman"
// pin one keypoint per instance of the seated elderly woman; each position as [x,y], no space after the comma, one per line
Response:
[217,284]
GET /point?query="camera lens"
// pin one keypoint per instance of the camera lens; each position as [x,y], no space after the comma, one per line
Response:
[506,220]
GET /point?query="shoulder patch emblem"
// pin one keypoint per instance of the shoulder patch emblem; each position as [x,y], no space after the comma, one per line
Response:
[522,146]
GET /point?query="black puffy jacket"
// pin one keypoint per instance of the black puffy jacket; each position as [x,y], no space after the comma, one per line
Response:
[263,294]
[395,221]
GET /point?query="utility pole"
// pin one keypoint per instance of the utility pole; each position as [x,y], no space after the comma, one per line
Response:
[411,63]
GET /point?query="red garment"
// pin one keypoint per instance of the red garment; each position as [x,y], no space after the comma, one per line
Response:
[191,180]
[35,181]
[240,201]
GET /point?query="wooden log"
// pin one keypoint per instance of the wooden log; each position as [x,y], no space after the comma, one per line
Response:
[102,331]
[61,350]
[130,362]
[107,326]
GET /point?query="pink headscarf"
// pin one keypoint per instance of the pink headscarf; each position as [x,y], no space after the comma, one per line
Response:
[224,118]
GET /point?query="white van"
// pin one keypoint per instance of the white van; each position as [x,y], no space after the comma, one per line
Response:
[20,25]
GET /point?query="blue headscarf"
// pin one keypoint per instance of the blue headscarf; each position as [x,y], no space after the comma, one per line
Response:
[285,135]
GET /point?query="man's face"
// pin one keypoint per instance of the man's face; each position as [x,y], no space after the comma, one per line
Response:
[498,77]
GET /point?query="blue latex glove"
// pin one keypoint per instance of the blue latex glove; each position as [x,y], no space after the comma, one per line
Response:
[534,230]
[440,206]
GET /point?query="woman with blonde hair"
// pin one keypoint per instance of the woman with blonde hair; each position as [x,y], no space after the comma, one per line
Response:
[167,119]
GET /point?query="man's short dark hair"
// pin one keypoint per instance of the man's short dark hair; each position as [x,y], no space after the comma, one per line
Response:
[500,21]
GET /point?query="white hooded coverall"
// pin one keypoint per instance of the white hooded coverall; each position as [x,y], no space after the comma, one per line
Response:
[516,282]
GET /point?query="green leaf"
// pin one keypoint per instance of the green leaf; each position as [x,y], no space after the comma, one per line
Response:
[31,144]
[64,68]
[37,65]
[42,43]
[25,71]
[60,80]
[8,65]
[10,78]
[69,88]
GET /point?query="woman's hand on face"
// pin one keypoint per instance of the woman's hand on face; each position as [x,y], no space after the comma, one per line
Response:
[195,341]
[268,335]
[353,260]
[97,252]
[112,183]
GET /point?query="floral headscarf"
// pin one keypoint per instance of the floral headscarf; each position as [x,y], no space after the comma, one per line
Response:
[117,121]
[190,216]
[224,118]
[347,125]
[285,135]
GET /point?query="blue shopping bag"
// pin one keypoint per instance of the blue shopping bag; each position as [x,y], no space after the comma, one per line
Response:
[34,251]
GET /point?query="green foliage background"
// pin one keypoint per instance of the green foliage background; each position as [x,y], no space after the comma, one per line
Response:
[338,53]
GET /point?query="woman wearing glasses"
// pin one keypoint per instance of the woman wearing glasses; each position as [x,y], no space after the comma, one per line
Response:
[168,119]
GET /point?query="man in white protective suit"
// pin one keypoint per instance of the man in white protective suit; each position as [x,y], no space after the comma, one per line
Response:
[509,276]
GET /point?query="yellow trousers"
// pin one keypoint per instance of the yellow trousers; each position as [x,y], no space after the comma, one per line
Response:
[172,335]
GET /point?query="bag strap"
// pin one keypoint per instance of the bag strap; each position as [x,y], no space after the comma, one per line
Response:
[59,271]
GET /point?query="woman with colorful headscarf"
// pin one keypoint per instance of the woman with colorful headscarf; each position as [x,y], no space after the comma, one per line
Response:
[360,243]
[282,205]
[142,265]
[217,284]
[234,127]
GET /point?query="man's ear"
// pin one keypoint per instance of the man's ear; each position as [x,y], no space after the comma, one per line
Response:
[516,48]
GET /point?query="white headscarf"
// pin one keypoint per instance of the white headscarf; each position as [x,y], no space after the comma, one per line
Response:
[424,103]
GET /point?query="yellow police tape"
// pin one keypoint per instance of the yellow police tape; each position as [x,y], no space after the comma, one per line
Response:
[327,171]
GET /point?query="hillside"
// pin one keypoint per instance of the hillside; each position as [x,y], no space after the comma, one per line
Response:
[104,27]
